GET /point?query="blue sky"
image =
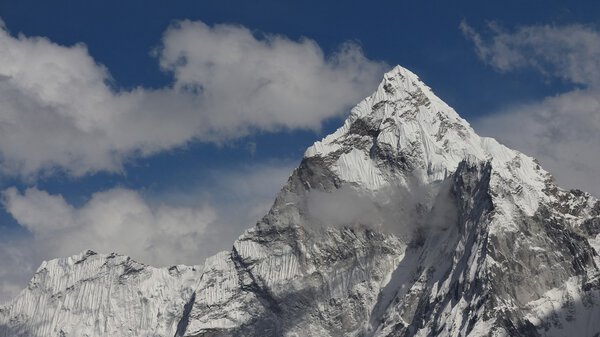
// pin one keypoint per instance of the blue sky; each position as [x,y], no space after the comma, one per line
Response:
[502,65]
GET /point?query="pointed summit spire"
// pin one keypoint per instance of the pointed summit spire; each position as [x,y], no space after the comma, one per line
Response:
[401,81]
[401,84]
[403,118]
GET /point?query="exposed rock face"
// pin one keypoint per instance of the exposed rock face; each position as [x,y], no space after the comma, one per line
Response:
[469,238]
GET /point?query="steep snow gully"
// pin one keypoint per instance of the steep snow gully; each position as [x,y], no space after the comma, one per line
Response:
[435,231]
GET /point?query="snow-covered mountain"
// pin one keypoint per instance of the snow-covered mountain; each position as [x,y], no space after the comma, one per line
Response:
[403,222]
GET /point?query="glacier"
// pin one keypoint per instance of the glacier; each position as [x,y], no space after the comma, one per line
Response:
[480,241]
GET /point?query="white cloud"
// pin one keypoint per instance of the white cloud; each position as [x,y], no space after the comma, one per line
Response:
[58,110]
[264,83]
[570,52]
[162,228]
[562,130]
[114,220]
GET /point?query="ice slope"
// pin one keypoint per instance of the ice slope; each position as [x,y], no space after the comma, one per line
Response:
[93,294]
[481,243]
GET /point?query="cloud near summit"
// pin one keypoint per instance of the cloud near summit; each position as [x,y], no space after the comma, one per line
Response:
[59,111]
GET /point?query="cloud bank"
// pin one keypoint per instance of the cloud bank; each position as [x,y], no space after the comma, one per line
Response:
[562,130]
[60,111]
[113,220]
[161,229]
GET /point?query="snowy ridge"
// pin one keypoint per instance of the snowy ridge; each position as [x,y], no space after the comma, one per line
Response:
[477,241]
[92,294]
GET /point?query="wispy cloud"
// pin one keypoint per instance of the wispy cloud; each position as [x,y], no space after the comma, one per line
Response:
[59,111]
[569,52]
[562,130]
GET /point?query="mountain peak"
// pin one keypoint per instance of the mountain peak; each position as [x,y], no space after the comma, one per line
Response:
[402,119]
[400,81]
[429,230]
[402,85]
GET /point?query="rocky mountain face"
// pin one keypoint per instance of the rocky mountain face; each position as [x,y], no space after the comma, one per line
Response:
[403,222]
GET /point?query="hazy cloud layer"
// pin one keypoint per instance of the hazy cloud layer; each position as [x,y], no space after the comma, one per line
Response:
[162,229]
[398,210]
[562,130]
[59,111]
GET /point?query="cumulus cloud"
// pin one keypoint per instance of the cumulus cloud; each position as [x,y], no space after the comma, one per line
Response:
[162,228]
[265,83]
[562,130]
[59,109]
[113,220]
